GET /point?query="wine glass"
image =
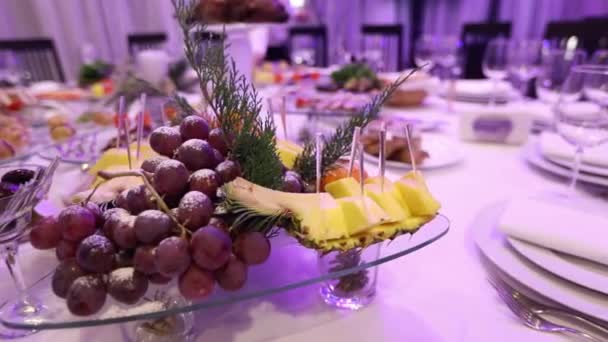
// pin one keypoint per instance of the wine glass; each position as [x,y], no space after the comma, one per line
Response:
[446,55]
[15,216]
[599,57]
[581,111]
[524,57]
[555,67]
[423,52]
[495,62]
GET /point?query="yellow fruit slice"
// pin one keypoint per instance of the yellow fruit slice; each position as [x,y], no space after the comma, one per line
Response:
[288,152]
[361,213]
[389,200]
[345,187]
[416,195]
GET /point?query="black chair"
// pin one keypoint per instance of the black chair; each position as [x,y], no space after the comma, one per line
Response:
[37,56]
[313,37]
[475,37]
[559,33]
[145,41]
[596,34]
[390,39]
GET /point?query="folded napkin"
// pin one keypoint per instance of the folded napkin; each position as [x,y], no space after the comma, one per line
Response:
[557,227]
[553,145]
[481,88]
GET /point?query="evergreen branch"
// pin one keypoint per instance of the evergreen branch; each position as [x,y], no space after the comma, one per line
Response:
[339,143]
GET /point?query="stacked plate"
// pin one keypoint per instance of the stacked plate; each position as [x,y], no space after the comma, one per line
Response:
[549,152]
[553,248]
[479,91]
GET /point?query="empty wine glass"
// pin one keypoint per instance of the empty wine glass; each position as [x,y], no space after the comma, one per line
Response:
[15,216]
[423,52]
[581,112]
[494,65]
[555,68]
[524,58]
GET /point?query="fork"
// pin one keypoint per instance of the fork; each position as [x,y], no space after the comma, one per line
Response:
[532,319]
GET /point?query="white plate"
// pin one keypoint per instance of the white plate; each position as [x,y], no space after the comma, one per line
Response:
[586,273]
[493,244]
[531,152]
[588,168]
[442,152]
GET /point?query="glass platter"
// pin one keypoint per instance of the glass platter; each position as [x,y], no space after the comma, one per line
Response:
[298,268]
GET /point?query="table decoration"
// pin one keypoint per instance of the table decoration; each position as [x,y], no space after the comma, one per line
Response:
[497,124]
[209,204]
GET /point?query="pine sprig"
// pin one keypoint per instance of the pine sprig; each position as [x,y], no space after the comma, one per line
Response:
[339,143]
[232,99]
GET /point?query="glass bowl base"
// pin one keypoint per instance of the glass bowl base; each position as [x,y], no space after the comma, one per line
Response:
[26,311]
[355,301]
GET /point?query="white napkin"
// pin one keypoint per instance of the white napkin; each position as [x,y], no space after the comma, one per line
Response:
[481,88]
[557,227]
[554,146]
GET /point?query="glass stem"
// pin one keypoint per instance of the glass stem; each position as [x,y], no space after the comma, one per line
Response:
[493,95]
[576,168]
[524,89]
[24,306]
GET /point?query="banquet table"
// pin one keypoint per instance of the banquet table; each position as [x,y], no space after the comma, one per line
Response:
[439,293]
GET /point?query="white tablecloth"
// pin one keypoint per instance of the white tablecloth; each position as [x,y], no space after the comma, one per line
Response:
[439,293]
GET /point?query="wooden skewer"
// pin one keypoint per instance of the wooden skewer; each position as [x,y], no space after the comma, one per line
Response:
[284,116]
[121,108]
[140,123]
[125,125]
[353,150]
[361,169]
[382,154]
[408,138]
[319,159]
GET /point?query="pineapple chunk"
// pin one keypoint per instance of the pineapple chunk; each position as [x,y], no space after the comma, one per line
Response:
[389,200]
[334,223]
[378,180]
[345,187]
[361,213]
[288,152]
[118,157]
[416,195]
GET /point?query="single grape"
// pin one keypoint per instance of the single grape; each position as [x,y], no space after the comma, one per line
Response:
[139,199]
[228,171]
[165,140]
[172,256]
[196,283]
[18,176]
[45,234]
[196,154]
[111,219]
[211,248]
[63,277]
[158,278]
[151,226]
[218,140]
[96,254]
[126,285]
[252,247]
[66,249]
[150,164]
[96,211]
[87,295]
[233,275]
[219,223]
[206,181]
[218,157]
[294,174]
[195,210]
[143,261]
[121,200]
[76,223]
[291,184]
[123,232]
[171,177]
[194,127]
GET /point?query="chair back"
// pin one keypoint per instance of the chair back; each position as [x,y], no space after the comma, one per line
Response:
[384,42]
[306,42]
[37,56]
[475,38]
[145,41]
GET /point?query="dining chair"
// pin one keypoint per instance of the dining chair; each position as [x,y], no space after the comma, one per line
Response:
[306,42]
[475,37]
[561,33]
[145,41]
[36,56]
[385,41]
[596,31]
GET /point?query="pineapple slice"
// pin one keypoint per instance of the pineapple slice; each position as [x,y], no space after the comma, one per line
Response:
[389,200]
[416,195]
[288,152]
[361,213]
[345,187]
